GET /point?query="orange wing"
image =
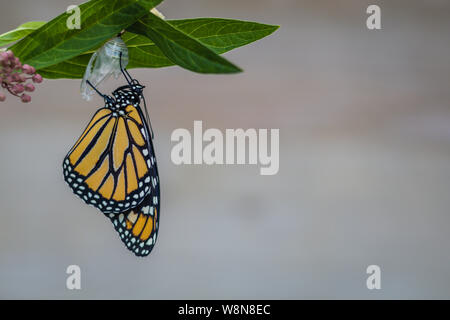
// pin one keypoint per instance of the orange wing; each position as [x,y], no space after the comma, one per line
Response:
[138,227]
[110,166]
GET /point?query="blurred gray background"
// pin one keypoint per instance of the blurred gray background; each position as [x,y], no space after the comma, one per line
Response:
[364,178]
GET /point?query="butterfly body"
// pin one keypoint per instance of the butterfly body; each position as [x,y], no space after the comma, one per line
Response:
[112,166]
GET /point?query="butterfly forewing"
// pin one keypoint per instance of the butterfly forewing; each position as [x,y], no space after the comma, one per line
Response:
[111,164]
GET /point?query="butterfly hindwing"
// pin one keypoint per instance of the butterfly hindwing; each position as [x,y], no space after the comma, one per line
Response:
[138,227]
[111,164]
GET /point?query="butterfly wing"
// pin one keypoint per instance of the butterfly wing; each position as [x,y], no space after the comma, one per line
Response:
[138,227]
[112,164]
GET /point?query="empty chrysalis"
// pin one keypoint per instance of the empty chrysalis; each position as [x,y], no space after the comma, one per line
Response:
[104,63]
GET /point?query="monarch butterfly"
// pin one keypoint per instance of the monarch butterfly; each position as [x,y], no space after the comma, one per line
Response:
[112,166]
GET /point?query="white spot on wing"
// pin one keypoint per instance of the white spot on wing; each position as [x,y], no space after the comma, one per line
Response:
[132,217]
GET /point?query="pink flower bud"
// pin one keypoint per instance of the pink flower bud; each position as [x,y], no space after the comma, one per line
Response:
[18,88]
[2,97]
[7,70]
[37,78]
[27,69]
[10,54]
[29,87]
[16,77]
[5,63]
[25,98]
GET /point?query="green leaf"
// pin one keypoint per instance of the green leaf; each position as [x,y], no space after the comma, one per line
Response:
[220,35]
[180,48]
[100,20]
[20,32]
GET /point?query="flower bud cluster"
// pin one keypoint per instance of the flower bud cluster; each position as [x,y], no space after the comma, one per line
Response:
[15,77]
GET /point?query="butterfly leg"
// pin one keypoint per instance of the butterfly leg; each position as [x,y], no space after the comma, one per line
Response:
[125,73]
